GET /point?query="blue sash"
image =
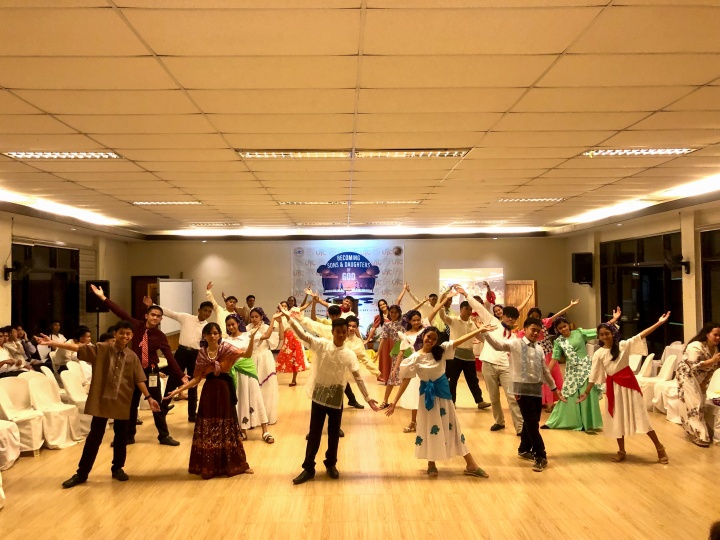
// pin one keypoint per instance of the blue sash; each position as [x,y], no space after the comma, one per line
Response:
[440,387]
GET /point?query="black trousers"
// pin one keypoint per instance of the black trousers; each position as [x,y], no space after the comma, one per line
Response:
[94,440]
[350,395]
[530,438]
[186,360]
[317,421]
[159,417]
[454,368]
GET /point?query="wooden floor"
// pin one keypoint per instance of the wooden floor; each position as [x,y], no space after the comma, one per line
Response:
[383,492]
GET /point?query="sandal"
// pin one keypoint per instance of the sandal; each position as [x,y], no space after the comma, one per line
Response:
[268,438]
[243,436]
[383,405]
[620,456]
[410,428]
[698,442]
[662,456]
[292,384]
[432,471]
[477,472]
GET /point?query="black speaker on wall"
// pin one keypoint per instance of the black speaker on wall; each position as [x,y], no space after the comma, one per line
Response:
[582,268]
[92,302]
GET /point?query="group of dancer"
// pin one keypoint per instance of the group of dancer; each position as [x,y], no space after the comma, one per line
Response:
[422,353]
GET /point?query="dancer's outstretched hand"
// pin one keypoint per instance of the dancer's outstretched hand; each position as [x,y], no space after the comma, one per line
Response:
[390,409]
[373,405]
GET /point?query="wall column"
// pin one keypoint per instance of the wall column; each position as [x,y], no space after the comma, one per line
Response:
[691,283]
[5,286]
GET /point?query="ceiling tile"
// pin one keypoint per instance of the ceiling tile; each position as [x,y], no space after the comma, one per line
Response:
[397,141]
[144,123]
[10,104]
[680,120]
[48,143]
[544,138]
[473,31]
[320,101]
[299,141]
[568,121]
[172,140]
[282,123]
[436,100]
[32,123]
[110,101]
[89,165]
[432,122]
[663,139]
[202,32]
[584,100]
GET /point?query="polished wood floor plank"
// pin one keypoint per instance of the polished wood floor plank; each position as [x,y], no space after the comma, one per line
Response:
[383,491]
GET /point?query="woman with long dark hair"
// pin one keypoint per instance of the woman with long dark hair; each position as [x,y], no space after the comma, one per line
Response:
[265,341]
[700,360]
[390,346]
[217,448]
[626,408]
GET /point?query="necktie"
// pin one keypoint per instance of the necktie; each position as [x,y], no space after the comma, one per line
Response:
[145,360]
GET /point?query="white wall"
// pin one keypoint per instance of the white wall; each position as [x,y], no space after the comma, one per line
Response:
[263,268]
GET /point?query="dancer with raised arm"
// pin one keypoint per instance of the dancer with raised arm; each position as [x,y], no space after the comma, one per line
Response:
[439,434]
[217,448]
[611,364]
[333,359]
[117,373]
[147,340]
[265,341]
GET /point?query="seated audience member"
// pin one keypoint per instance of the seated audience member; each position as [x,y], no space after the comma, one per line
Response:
[9,365]
[108,337]
[81,336]
[31,354]
[55,334]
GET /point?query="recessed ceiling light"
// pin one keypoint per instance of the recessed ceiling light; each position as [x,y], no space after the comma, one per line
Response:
[62,155]
[383,223]
[311,203]
[691,189]
[59,209]
[210,224]
[204,241]
[158,203]
[73,229]
[533,200]
[429,153]
[322,224]
[599,152]
[417,153]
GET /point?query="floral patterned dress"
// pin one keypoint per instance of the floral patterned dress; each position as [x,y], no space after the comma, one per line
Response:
[693,382]
[439,435]
[291,357]
[390,338]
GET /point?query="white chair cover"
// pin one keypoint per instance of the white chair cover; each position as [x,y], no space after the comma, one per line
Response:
[677,348]
[635,362]
[713,411]
[15,406]
[77,396]
[61,423]
[9,444]
[665,400]
[43,351]
[60,393]
[647,384]
[87,370]
[646,368]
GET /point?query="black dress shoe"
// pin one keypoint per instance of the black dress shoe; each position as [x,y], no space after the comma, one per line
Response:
[192,418]
[169,441]
[120,475]
[303,477]
[342,433]
[497,427]
[333,473]
[129,442]
[74,481]
[356,405]
[138,422]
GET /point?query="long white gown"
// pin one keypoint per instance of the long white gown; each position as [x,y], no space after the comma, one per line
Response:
[250,406]
[267,376]
[630,416]
[439,434]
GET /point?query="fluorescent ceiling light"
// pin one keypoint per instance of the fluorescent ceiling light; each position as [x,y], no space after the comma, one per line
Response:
[62,155]
[483,221]
[599,152]
[294,154]
[609,211]
[167,203]
[335,203]
[691,189]
[211,224]
[532,200]
[384,202]
[417,153]
[430,153]
[59,209]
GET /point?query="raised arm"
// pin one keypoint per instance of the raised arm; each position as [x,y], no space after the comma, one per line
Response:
[166,311]
[42,339]
[480,328]
[617,313]
[420,304]
[483,314]
[270,326]
[299,330]
[497,345]
[402,293]
[564,310]
[117,310]
[321,301]
[662,320]
[313,311]
[524,302]
[209,295]
[415,298]
[440,305]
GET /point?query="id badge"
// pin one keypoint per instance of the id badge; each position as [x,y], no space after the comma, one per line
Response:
[153,381]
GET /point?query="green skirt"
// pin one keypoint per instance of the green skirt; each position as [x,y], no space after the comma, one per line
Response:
[583,417]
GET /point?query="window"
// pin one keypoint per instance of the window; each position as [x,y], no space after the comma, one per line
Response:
[710,257]
[644,277]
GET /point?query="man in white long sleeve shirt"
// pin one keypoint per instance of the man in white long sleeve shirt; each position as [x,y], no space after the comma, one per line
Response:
[189,344]
[331,362]
[528,372]
[221,313]
[8,365]
[496,367]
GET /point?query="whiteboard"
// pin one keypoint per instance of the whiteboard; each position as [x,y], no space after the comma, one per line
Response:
[176,295]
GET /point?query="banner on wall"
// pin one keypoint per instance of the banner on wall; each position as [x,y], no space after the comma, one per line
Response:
[366,270]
